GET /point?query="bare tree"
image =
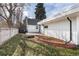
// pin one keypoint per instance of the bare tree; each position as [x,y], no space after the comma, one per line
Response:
[19,15]
[8,11]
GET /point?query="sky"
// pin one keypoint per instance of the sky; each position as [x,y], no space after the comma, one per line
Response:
[50,8]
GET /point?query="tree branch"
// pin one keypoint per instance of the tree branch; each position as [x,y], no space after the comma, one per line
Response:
[14,8]
[3,16]
[7,8]
[4,13]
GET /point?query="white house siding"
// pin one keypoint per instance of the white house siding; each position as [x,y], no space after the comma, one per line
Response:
[42,29]
[6,33]
[32,28]
[77,29]
[60,29]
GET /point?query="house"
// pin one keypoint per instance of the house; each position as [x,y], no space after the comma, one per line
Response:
[64,26]
[32,25]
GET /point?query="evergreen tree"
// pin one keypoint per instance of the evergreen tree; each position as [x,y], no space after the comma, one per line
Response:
[40,13]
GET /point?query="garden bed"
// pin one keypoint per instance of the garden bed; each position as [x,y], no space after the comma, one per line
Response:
[55,42]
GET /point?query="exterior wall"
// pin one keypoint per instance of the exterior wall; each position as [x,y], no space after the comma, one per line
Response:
[61,30]
[77,29]
[42,29]
[32,28]
[6,33]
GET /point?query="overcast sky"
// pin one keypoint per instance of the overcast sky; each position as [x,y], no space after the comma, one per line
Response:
[50,8]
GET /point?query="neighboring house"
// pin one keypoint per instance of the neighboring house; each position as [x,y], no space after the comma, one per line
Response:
[32,25]
[59,26]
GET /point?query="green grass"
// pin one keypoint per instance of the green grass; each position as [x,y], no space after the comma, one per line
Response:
[18,51]
[21,45]
[9,46]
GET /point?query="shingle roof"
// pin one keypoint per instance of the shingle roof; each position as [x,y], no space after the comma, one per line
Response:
[32,21]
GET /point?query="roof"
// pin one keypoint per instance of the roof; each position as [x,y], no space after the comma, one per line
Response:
[32,21]
[70,13]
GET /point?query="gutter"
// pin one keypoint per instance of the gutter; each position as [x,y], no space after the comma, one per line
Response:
[70,12]
[70,30]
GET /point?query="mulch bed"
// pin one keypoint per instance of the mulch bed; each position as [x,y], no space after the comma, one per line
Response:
[55,42]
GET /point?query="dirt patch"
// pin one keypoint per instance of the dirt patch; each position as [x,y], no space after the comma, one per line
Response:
[30,36]
[55,42]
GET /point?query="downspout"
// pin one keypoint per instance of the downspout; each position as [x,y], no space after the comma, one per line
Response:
[39,29]
[43,29]
[70,30]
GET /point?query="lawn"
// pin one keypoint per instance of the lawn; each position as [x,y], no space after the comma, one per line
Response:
[9,46]
[29,46]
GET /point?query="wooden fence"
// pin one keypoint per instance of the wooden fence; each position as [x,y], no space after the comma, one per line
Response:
[7,33]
